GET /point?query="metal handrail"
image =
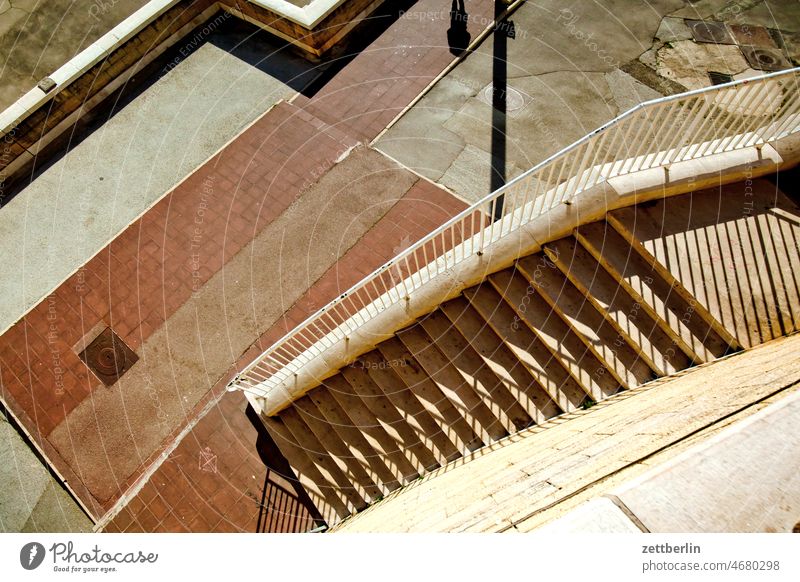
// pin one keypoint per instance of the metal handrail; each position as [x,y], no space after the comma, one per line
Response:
[653,134]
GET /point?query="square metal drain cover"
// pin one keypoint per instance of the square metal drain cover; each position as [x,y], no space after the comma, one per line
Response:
[710,31]
[752,35]
[108,357]
[765,59]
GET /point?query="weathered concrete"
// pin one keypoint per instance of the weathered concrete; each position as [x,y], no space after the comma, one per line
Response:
[577,67]
[565,64]
[30,498]
[599,515]
[113,175]
[746,479]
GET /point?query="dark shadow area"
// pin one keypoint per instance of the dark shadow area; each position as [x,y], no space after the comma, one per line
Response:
[280,510]
[249,43]
[458,36]
[788,181]
[503,30]
[265,52]
[360,37]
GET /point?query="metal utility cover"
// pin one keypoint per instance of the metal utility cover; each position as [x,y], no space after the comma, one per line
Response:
[765,59]
[710,31]
[108,357]
[747,35]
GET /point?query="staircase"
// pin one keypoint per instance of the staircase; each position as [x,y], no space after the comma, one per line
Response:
[650,290]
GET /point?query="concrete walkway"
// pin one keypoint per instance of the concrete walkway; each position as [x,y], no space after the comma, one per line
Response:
[568,71]
[745,479]
[31,499]
[514,484]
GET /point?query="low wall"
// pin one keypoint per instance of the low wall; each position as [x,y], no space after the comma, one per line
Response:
[45,113]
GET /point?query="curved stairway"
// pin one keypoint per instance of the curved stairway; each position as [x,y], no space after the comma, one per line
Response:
[651,290]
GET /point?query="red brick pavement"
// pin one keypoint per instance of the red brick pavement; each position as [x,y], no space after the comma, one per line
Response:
[151,269]
[216,481]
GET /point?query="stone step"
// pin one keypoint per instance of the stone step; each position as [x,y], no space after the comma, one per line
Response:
[583,362]
[359,471]
[455,422]
[631,321]
[424,421]
[691,332]
[584,318]
[331,504]
[496,354]
[326,464]
[456,348]
[386,444]
[527,348]
[450,382]
[416,444]
[360,443]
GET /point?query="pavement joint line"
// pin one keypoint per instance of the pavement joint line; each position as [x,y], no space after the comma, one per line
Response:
[649,455]
[14,421]
[420,176]
[627,511]
[449,68]
[151,469]
[48,463]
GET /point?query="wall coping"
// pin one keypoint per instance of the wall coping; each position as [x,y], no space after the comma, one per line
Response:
[308,17]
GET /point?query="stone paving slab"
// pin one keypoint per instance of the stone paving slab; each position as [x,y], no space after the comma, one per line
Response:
[746,479]
[599,515]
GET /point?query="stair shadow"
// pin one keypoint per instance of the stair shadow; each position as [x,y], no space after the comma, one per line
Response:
[721,244]
[280,510]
